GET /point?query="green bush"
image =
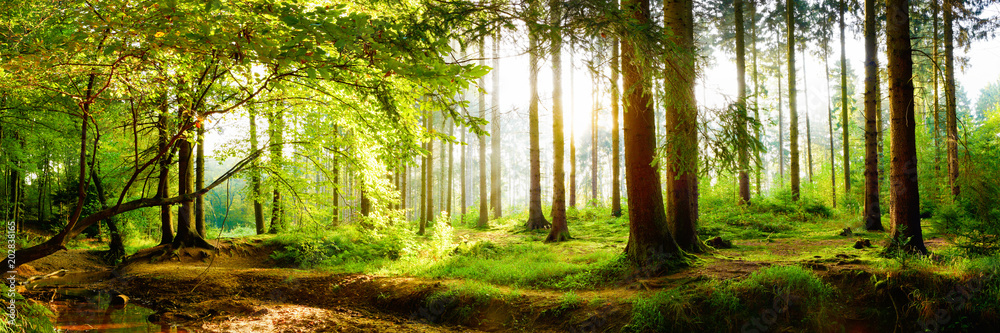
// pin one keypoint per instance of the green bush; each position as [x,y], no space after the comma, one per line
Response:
[331,248]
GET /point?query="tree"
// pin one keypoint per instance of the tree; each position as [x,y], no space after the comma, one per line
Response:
[951,120]
[650,240]
[593,147]
[844,120]
[559,231]
[793,115]
[187,233]
[873,214]
[424,186]
[572,136]
[741,99]
[616,196]
[681,127]
[483,204]
[199,181]
[429,208]
[255,193]
[163,180]
[451,165]
[904,199]
[536,220]
[276,126]
[495,157]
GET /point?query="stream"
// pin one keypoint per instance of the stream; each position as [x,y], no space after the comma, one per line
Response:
[81,308]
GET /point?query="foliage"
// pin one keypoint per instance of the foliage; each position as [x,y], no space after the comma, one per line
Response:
[347,245]
[31,316]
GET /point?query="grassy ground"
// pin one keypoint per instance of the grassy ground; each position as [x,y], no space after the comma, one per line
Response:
[789,268]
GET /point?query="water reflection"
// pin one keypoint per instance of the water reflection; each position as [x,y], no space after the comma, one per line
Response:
[82,310]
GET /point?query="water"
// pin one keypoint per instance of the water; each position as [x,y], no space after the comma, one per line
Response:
[80,309]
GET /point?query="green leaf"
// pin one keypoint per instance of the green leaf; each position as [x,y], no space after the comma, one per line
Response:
[290,20]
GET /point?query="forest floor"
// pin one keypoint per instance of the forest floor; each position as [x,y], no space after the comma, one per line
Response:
[504,279]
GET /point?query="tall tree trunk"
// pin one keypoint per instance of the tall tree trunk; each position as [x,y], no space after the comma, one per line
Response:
[844,120]
[484,209]
[199,180]
[741,100]
[873,213]
[430,170]
[593,148]
[559,231]
[187,233]
[951,121]
[423,180]
[756,88]
[805,97]
[336,184]
[495,182]
[681,127]
[116,248]
[650,241]
[163,180]
[937,99]
[465,198]
[829,109]
[536,220]
[781,131]
[258,208]
[441,169]
[276,128]
[572,135]
[905,196]
[793,114]
[616,196]
[451,167]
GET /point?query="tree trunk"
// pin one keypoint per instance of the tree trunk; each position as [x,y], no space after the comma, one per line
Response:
[844,120]
[873,213]
[484,209]
[163,180]
[650,242]
[559,231]
[937,99]
[805,97]
[430,171]
[464,202]
[187,234]
[276,126]
[451,167]
[756,88]
[681,128]
[199,180]
[616,196]
[495,159]
[423,180]
[116,248]
[741,100]
[336,182]
[905,196]
[536,220]
[793,114]
[258,208]
[951,121]
[593,150]
[829,108]
[572,135]
[781,131]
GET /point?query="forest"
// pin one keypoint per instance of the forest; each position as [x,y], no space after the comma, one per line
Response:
[500,165]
